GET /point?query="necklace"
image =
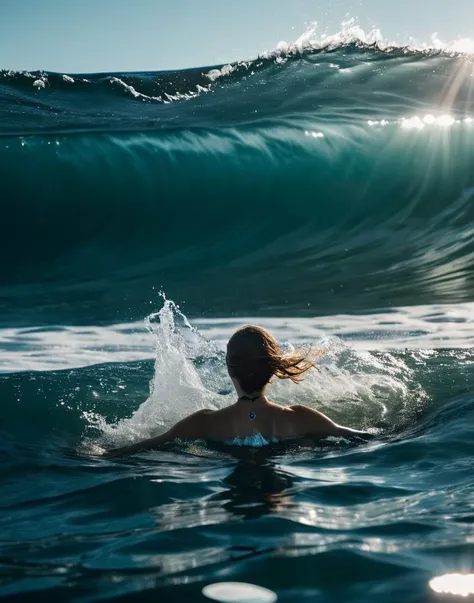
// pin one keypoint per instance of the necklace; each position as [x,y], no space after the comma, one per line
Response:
[252,414]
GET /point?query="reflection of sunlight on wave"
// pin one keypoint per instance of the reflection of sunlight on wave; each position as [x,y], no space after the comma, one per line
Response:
[417,122]
[191,514]
[172,563]
[376,513]
[238,592]
[454,584]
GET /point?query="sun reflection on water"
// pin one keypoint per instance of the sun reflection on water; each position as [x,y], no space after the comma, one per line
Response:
[454,584]
[417,122]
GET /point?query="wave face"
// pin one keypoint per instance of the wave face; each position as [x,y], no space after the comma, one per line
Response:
[306,182]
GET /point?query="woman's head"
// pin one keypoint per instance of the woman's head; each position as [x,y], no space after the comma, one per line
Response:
[254,357]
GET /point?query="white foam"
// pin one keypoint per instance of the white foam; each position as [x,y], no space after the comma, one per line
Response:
[132,91]
[40,83]
[350,32]
[215,74]
[166,98]
[67,347]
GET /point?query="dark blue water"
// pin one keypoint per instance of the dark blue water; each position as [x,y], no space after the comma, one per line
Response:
[323,193]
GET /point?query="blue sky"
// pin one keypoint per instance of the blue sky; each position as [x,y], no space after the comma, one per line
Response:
[74,36]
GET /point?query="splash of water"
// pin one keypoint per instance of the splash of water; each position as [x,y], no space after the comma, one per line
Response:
[355,388]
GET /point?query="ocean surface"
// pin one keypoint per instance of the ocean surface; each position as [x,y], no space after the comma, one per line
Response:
[325,191]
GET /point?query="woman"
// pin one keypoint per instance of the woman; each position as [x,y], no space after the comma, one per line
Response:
[253,358]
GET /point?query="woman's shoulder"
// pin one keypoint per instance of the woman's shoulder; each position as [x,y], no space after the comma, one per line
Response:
[294,411]
[199,414]
[306,420]
[306,413]
[301,409]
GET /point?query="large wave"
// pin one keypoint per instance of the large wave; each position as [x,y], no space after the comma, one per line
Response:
[320,178]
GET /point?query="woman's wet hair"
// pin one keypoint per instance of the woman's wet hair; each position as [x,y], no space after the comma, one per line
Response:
[254,357]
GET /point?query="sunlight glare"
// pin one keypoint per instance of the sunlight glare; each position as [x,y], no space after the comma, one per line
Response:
[454,584]
[238,592]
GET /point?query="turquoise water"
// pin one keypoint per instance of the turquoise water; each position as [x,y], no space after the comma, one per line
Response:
[325,193]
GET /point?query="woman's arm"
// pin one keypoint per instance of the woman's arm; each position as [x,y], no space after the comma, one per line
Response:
[191,428]
[311,422]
